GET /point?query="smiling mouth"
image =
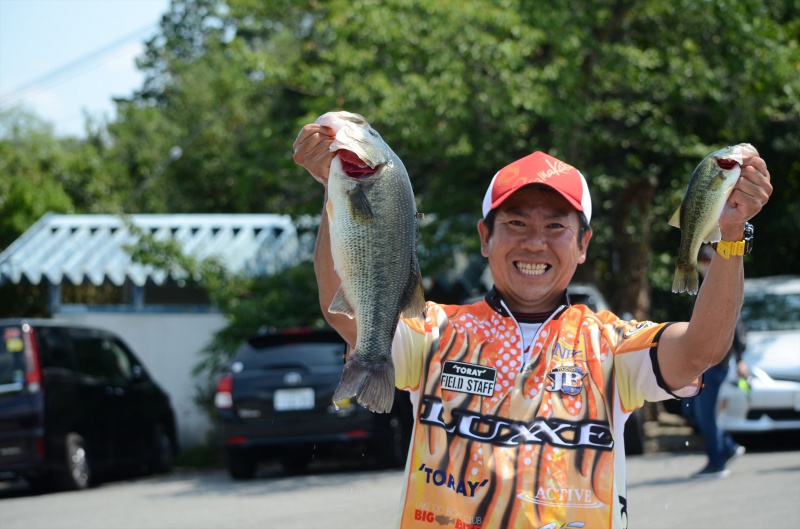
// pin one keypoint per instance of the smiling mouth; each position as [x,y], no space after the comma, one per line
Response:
[530,269]
[353,166]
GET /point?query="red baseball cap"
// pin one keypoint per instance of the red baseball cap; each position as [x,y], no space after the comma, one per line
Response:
[543,169]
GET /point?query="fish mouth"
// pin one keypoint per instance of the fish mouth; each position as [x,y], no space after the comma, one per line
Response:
[532,269]
[353,166]
[727,163]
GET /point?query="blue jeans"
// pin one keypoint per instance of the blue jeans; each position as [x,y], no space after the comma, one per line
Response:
[700,411]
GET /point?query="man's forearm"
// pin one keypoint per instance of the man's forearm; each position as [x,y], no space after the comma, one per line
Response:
[328,281]
[716,311]
[686,350]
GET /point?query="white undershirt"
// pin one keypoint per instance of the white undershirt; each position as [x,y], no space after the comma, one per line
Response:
[529,331]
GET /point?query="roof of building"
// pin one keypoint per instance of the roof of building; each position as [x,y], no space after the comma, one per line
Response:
[92,248]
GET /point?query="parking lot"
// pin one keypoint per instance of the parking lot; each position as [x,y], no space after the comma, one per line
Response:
[762,491]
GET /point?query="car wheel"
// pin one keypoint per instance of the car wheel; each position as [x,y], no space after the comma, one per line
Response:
[241,465]
[297,458]
[161,461]
[634,433]
[77,474]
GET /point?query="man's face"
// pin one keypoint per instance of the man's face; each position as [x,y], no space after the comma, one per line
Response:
[533,250]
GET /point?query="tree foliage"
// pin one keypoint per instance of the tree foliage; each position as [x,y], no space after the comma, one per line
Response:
[634,93]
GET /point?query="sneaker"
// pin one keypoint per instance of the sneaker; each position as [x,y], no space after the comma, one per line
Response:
[736,454]
[711,472]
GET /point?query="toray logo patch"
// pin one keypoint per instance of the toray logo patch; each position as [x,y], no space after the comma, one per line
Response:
[566,379]
[468,378]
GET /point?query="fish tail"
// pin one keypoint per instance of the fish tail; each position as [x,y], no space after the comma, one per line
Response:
[685,279]
[372,383]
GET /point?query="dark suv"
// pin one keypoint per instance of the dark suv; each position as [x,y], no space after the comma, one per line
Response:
[74,402]
[276,402]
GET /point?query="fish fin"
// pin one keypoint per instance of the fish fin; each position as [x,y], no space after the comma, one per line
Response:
[685,279]
[360,209]
[675,220]
[340,305]
[715,235]
[412,304]
[373,384]
[416,305]
[329,210]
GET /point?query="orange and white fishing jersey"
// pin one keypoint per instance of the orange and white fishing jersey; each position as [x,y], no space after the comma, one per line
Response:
[498,444]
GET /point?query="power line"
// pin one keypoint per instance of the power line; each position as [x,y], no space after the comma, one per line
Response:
[36,83]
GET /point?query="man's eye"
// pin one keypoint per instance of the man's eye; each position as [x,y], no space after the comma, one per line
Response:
[516,223]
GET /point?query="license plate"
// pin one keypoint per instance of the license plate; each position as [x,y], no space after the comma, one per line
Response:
[294,399]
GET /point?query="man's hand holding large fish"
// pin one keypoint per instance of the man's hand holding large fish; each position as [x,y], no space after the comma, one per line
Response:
[368,236]
[312,150]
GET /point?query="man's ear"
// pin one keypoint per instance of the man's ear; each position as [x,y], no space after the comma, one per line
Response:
[483,231]
[583,246]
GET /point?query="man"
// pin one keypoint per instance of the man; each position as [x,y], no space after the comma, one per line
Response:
[701,411]
[521,399]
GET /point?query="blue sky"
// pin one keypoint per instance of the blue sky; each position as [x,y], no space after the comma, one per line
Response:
[40,37]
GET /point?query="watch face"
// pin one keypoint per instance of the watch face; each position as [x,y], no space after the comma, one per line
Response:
[748,238]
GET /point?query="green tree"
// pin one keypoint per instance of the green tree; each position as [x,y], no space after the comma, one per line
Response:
[207,132]
[40,173]
[32,163]
[634,93]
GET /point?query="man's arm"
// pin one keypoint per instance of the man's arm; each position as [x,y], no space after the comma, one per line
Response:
[328,282]
[311,150]
[687,349]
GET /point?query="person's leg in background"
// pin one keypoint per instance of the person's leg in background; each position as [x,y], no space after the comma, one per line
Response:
[719,446]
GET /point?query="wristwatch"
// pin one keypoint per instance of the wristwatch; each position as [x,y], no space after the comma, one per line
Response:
[743,247]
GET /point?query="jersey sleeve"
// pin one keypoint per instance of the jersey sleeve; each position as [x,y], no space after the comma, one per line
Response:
[638,377]
[410,345]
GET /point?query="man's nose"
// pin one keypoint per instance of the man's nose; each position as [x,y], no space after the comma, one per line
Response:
[534,239]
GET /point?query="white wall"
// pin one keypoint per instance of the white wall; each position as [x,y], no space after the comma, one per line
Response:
[169,346]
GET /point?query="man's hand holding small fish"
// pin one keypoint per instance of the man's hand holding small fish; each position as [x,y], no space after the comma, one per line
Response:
[749,195]
[312,150]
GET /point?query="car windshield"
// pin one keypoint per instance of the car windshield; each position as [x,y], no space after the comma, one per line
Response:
[771,312]
[307,353]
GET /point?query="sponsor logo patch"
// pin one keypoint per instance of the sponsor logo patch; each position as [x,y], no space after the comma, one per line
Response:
[468,378]
[566,379]
[557,497]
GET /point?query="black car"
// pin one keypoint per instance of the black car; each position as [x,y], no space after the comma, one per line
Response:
[75,402]
[276,402]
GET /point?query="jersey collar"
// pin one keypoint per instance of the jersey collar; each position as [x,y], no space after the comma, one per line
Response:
[495,301]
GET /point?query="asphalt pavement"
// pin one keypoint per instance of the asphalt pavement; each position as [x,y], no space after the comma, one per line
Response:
[763,490]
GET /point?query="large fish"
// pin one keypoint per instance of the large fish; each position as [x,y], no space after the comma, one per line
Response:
[373,229]
[698,215]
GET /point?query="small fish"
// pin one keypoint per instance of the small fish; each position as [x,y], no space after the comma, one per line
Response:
[698,215]
[373,230]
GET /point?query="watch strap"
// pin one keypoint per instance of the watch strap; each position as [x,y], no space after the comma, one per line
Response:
[728,248]
[738,248]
